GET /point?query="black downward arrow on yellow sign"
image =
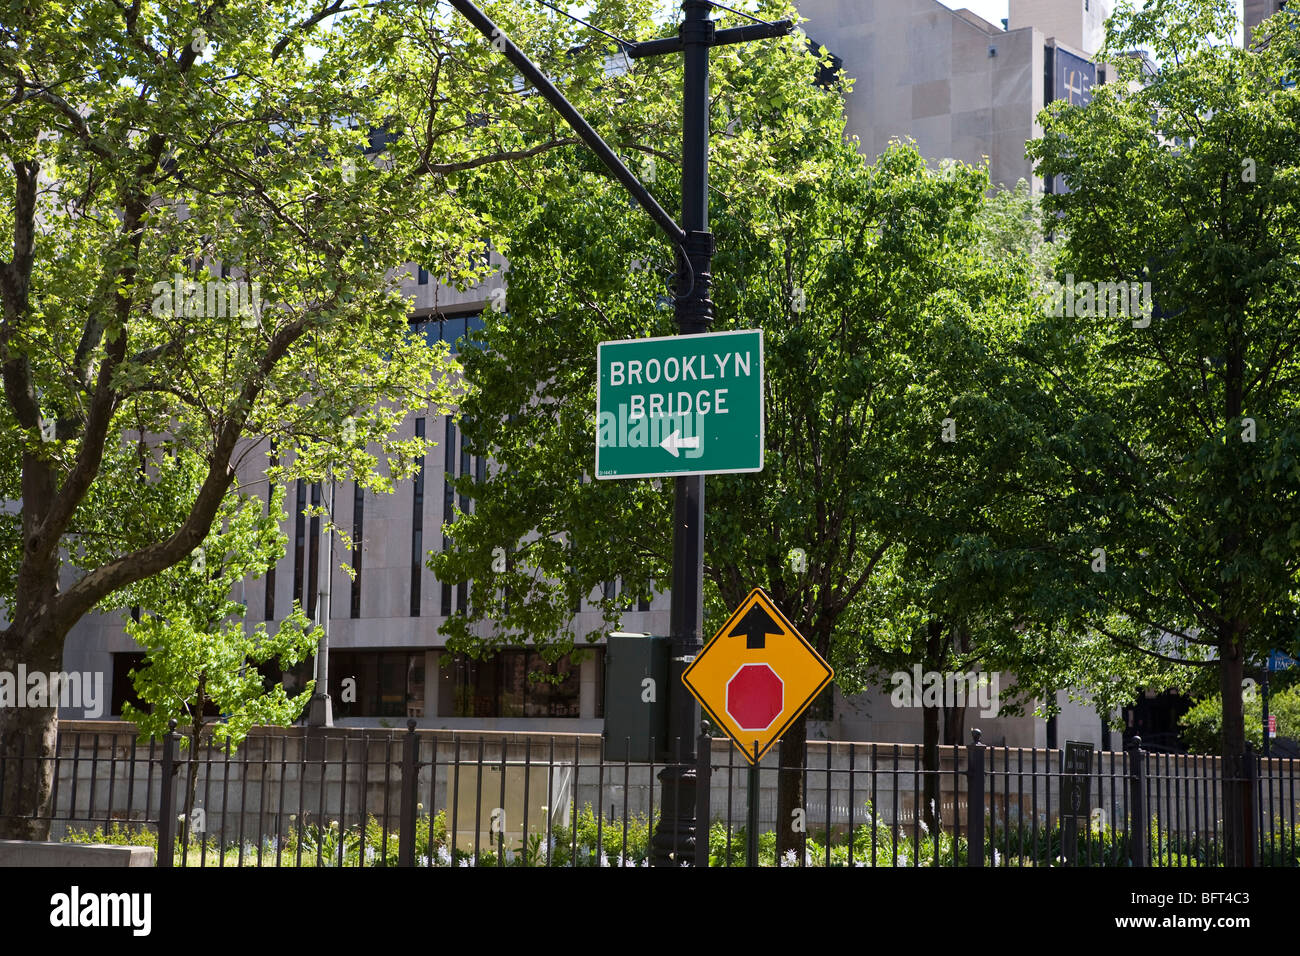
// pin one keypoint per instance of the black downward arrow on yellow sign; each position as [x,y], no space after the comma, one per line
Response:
[755,626]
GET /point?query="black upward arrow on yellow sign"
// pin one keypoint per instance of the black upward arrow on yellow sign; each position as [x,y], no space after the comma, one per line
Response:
[755,626]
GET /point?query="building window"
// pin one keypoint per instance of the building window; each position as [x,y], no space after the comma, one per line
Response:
[299,540]
[452,329]
[123,688]
[313,554]
[417,527]
[423,277]
[358,531]
[516,683]
[448,501]
[269,601]
[466,466]
[388,683]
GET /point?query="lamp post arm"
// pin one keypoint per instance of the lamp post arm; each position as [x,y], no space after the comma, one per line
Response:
[533,74]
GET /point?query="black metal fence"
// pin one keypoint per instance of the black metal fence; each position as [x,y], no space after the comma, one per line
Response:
[426,798]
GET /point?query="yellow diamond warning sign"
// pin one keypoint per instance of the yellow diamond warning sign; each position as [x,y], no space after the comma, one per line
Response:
[757,675]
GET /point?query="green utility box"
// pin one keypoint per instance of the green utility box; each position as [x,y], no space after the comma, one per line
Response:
[636,697]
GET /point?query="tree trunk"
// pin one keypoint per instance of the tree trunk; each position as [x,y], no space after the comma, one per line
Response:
[1238,826]
[28,743]
[791,814]
[930,729]
[930,761]
[954,723]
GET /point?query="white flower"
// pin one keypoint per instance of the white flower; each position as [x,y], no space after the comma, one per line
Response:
[789,859]
[465,861]
[604,860]
[444,856]
[997,858]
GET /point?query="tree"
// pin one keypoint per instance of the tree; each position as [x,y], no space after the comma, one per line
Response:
[973,498]
[1185,178]
[197,651]
[1201,726]
[202,256]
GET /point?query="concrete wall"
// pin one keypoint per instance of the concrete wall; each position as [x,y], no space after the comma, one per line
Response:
[961,87]
[27,853]
[1077,23]
[1256,11]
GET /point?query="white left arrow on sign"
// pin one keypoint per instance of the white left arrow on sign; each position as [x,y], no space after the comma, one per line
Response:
[676,441]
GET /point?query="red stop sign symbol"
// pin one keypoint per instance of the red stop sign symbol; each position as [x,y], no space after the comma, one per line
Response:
[755,697]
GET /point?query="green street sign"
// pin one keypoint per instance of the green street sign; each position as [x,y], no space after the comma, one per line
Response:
[680,405]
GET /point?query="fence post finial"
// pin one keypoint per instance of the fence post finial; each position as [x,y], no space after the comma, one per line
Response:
[975,800]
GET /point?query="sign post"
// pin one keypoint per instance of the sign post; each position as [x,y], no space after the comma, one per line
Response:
[1075,791]
[754,678]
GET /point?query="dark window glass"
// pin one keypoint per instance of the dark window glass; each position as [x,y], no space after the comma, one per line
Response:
[448,501]
[415,684]
[358,531]
[269,602]
[516,683]
[417,527]
[313,554]
[343,666]
[299,539]
[123,691]
[392,685]
[453,330]
[294,680]
[466,468]
[423,277]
